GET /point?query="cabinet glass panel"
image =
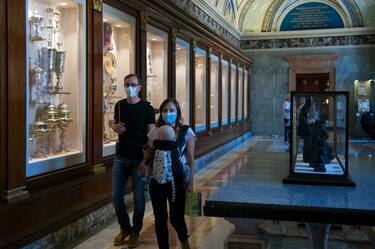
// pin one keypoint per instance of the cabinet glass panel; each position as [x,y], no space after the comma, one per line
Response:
[56,86]
[225,87]
[183,77]
[319,142]
[118,49]
[233,93]
[200,89]
[240,94]
[246,96]
[157,65]
[214,93]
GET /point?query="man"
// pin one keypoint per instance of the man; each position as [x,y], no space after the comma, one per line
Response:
[134,118]
[286,110]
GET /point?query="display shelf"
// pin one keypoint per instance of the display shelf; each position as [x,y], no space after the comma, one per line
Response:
[56,113]
[118,61]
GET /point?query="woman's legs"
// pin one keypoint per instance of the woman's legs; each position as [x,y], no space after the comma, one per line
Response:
[158,194]
[177,211]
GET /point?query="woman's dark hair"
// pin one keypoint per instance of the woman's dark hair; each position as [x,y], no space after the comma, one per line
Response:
[160,121]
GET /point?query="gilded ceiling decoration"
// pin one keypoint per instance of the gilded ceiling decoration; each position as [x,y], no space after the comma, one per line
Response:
[278,15]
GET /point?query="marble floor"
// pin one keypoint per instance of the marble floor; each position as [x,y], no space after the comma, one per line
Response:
[211,233]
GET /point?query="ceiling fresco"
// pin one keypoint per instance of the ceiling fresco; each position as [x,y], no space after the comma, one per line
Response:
[250,16]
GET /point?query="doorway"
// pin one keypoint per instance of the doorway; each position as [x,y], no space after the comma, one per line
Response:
[316,82]
[313,67]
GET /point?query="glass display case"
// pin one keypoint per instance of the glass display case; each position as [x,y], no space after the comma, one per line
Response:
[225,87]
[319,138]
[157,65]
[118,49]
[183,78]
[214,93]
[246,94]
[56,85]
[240,94]
[200,89]
[233,93]
[363,101]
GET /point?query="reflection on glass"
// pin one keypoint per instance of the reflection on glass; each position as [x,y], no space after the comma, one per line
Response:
[214,93]
[157,65]
[240,94]
[246,103]
[183,77]
[319,133]
[225,87]
[233,93]
[200,89]
[118,61]
[56,91]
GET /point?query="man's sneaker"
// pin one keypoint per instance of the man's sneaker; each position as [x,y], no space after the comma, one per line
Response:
[120,239]
[185,245]
[133,240]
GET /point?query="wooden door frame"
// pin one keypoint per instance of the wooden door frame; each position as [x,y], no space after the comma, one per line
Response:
[309,64]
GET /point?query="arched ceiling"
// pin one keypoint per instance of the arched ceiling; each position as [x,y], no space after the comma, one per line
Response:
[249,16]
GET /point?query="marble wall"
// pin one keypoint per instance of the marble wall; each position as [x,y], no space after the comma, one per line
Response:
[353,63]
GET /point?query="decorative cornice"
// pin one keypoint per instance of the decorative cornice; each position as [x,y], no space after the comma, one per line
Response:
[218,16]
[309,42]
[311,58]
[309,33]
[210,17]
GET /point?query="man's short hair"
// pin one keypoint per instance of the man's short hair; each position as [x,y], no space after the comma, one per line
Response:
[133,75]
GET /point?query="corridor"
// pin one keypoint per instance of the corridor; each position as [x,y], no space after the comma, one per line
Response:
[212,233]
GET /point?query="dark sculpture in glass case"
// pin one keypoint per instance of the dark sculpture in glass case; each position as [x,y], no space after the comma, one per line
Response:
[316,150]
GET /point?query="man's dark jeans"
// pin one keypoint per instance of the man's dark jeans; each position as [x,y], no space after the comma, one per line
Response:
[121,170]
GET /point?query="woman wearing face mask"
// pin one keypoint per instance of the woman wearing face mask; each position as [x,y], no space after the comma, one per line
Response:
[163,181]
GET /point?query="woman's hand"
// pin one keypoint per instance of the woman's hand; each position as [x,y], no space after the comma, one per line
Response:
[143,168]
[119,128]
[190,188]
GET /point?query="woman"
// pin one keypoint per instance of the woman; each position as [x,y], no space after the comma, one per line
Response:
[166,187]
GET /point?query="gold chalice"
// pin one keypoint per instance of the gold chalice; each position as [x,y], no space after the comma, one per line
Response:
[51,121]
[39,128]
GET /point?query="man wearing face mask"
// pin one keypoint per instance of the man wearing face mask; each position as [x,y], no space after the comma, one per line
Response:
[134,118]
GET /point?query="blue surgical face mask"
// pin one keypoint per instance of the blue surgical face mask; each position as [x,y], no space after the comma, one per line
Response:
[169,117]
[131,91]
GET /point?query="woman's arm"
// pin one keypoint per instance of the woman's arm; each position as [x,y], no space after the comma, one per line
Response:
[189,154]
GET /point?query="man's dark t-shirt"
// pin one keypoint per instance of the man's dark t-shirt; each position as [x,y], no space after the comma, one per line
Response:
[136,117]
